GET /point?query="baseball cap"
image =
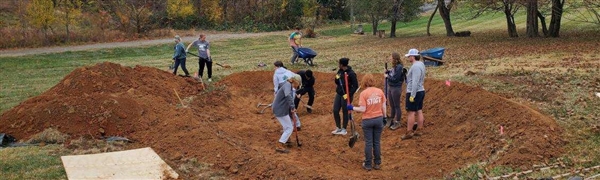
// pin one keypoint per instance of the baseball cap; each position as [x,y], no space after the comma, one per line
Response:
[412,52]
[177,38]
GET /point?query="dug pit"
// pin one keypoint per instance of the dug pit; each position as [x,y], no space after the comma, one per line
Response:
[221,127]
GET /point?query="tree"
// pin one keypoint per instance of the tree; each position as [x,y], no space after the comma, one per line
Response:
[557,10]
[404,10]
[179,8]
[509,10]
[41,15]
[70,11]
[532,19]
[508,7]
[132,16]
[310,15]
[374,11]
[444,9]
[395,16]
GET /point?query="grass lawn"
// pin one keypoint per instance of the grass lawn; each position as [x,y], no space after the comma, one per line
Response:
[558,76]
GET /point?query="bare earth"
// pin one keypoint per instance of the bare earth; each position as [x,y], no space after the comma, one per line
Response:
[58,49]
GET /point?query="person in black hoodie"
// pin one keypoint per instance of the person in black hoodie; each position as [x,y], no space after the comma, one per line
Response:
[308,81]
[340,97]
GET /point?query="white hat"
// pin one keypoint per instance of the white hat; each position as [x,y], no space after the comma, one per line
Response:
[412,52]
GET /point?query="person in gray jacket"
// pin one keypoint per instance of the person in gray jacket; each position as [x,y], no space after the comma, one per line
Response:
[282,106]
[179,57]
[415,93]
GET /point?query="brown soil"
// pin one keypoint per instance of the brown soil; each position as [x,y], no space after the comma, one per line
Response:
[222,126]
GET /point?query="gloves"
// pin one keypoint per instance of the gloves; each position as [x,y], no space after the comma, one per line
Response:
[411,99]
[350,107]
[337,76]
[384,121]
[345,96]
[209,59]
[186,51]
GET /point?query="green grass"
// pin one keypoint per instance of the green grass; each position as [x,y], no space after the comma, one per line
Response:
[28,76]
[31,162]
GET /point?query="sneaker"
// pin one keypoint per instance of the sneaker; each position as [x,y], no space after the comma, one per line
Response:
[298,128]
[377,167]
[336,131]
[343,132]
[368,168]
[395,125]
[309,110]
[209,79]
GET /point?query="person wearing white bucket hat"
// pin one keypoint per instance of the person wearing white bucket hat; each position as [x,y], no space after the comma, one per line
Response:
[415,93]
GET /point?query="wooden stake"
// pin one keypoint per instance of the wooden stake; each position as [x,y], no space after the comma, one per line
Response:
[180,101]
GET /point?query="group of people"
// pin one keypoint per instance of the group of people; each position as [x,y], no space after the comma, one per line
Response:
[372,102]
[204,58]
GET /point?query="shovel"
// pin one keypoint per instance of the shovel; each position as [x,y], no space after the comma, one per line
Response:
[355,135]
[262,111]
[293,114]
[222,65]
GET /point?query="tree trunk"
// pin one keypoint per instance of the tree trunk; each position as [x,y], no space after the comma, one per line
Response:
[510,19]
[557,10]
[445,13]
[67,25]
[374,23]
[532,20]
[543,21]
[395,11]
[430,19]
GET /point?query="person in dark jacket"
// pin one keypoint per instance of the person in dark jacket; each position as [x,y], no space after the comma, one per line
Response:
[179,57]
[339,102]
[308,81]
[395,78]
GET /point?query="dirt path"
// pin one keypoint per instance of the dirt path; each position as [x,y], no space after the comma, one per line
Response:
[57,49]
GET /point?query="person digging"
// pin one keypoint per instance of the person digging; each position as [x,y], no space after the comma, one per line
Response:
[282,105]
[308,82]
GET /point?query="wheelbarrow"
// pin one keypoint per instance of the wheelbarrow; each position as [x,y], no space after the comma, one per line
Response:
[433,57]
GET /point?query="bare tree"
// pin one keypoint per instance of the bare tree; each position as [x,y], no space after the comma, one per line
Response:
[445,14]
[395,16]
[557,10]
[532,18]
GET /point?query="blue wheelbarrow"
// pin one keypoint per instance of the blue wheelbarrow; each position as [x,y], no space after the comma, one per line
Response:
[433,57]
[307,55]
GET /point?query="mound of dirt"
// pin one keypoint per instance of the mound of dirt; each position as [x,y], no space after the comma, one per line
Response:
[222,127]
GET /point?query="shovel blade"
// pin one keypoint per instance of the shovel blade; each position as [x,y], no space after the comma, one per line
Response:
[353,140]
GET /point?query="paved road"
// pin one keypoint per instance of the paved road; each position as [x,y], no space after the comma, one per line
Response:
[57,49]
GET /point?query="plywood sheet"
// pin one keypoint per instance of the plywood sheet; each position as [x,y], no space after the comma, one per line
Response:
[141,163]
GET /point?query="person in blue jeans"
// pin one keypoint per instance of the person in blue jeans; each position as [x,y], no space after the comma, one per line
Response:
[372,103]
[179,57]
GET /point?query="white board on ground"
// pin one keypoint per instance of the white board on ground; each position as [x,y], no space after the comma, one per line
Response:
[141,163]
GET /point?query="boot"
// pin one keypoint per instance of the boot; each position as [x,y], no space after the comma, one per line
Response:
[281,148]
[408,135]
